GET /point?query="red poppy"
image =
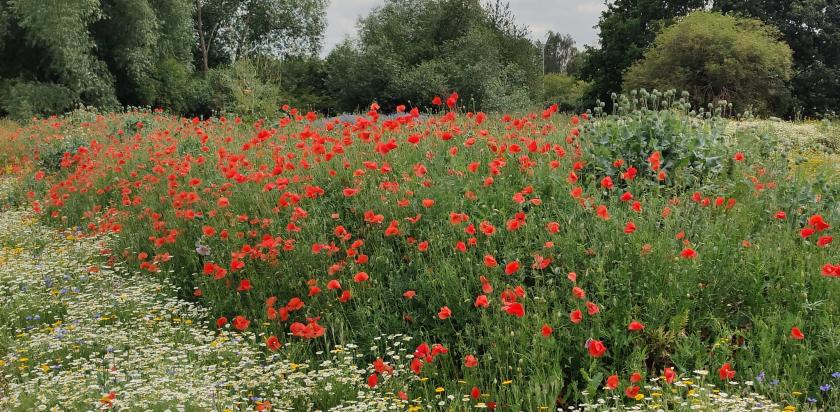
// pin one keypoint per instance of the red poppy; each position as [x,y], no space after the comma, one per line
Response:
[475,392]
[360,277]
[272,343]
[576,316]
[738,156]
[578,292]
[221,322]
[444,313]
[670,375]
[372,380]
[780,215]
[726,372]
[635,326]
[409,294]
[797,334]
[515,309]
[241,323]
[818,223]
[546,330]
[481,301]
[244,285]
[635,377]
[512,267]
[592,308]
[631,391]
[470,361]
[612,382]
[596,348]
[688,253]
[630,227]
[824,241]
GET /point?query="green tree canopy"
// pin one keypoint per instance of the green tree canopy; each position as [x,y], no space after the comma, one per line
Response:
[411,50]
[718,57]
[626,28]
[812,29]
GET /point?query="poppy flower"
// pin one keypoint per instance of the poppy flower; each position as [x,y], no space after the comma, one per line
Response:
[490,261]
[818,223]
[444,313]
[345,296]
[780,215]
[669,375]
[635,326]
[631,391]
[578,292]
[372,380]
[241,323]
[361,277]
[806,232]
[635,377]
[470,361]
[688,253]
[612,382]
[576,316]
[546,330]
[481,301]
[244,285]
[630,227]
[221,322]
[475,392]
[515,309]
[738,157]
[409,294]
[726,372]
[596,348]
[797,334]
[824,241]
[602,212]
[512,267]
[592,308]
[272,343]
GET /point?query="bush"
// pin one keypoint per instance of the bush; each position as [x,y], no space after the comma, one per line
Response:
[564,90]
[21,99]
[718,57]
[691,145]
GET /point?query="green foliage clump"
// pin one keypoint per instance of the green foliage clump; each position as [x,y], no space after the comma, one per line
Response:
[718,57]
[692,145]
[409,51]
[564,90]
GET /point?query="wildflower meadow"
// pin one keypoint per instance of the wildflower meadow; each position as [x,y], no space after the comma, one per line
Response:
[654,256]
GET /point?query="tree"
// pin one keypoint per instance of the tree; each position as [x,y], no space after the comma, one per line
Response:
[812,29]
[410,50]
[626,28]
[230,30]
[559,53]
[717,57]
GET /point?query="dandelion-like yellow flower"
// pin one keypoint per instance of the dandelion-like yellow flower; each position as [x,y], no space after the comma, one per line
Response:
[507,382]
[439,389]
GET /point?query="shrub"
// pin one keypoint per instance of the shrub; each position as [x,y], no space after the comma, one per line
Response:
[564,90]
[716,57]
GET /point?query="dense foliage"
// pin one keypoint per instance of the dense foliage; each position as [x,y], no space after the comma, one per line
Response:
[625,30]
[411,49]
[716,57]
[531,256]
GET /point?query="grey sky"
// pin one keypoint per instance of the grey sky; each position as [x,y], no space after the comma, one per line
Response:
[575,17]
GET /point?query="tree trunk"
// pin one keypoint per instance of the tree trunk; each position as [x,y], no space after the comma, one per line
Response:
[201,41]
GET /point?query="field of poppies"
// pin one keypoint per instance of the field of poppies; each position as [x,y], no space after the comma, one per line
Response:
[656,257]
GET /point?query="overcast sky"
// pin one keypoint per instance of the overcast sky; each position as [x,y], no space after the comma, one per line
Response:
[575,17]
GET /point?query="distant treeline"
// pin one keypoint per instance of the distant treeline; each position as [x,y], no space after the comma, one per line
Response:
[199,57]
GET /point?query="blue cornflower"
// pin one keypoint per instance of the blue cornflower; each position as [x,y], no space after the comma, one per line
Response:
[760,376]
[774,382]
[826,387]
[835,375]
[811,400]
